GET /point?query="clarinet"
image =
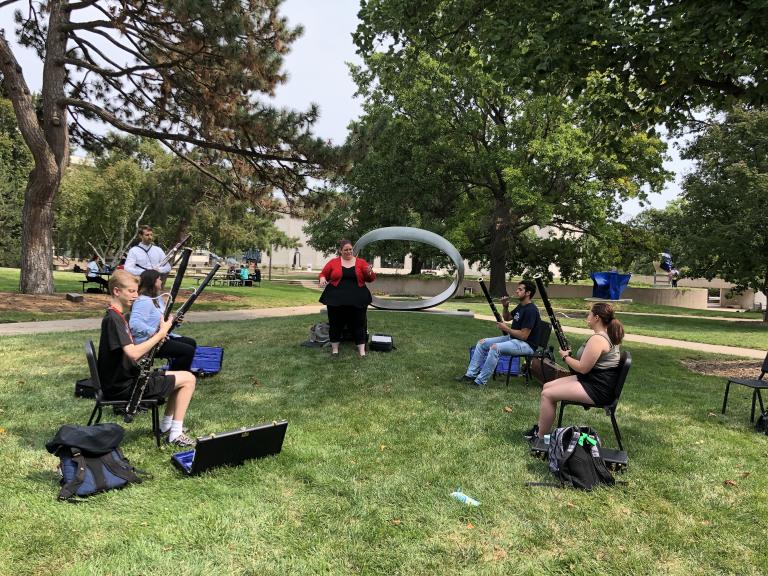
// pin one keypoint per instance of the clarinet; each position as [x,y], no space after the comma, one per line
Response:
[145,364]
[491,304]
[172,252]
[561,339]
[192,297]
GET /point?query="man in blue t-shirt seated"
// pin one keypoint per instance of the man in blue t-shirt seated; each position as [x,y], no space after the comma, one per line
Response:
[517,341]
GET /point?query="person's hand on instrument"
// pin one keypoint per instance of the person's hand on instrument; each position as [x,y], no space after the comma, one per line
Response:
[165,326]
[564,354]
[505,301]
[503,327]
[323,281]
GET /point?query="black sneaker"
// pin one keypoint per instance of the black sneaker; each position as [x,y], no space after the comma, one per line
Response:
[532,433]
[464,378]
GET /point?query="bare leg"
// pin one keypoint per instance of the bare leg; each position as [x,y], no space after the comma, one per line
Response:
[178,401]
[361,350]
[335,347]
[567,388]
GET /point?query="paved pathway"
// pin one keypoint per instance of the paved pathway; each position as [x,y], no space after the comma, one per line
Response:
[568,311]
[654,341]
[17,328]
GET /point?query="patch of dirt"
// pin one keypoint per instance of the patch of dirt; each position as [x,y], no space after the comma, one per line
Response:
[724,368]
[97,302]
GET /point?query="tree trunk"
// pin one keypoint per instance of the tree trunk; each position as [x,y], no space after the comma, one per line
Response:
[49,145]
[36,241]
[416,264]
[765,292]
[498,283]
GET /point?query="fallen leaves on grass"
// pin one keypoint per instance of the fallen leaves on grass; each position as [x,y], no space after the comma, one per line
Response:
[507,409]
[730,483]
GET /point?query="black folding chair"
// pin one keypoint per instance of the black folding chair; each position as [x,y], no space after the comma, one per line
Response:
[150,404]
[610,409]
[757,384]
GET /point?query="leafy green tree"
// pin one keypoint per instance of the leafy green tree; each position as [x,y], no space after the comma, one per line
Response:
[15,165]
[188,73]
[394,181]
[661,58]
[506,162]
[722,226]
[98,206]
[134,180]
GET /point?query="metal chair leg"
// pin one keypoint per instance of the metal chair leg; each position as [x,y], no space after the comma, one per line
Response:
[725,398]
[156,425]
[93,414]
[754,399]
[560,417]
[616,430]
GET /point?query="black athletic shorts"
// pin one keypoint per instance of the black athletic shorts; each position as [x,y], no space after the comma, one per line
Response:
[159,385]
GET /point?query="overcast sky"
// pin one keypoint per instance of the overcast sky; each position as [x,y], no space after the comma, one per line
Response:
[317,69]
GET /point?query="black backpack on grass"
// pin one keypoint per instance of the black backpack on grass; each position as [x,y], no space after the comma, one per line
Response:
[90,459]
[574,458]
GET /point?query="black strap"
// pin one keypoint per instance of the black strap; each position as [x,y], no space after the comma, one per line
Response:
[70,489]
[121,468]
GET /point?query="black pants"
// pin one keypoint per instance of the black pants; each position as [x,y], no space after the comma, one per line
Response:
[351,317]
[179,351]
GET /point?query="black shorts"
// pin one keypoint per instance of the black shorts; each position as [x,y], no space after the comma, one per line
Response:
[159,385]
[600,385]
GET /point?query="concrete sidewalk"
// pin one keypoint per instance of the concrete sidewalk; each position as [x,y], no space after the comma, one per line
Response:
[671,343]
[19,328]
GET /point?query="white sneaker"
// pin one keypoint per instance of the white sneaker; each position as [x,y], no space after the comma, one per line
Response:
[183,441]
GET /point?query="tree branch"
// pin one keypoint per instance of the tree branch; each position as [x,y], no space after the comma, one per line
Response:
[157,135]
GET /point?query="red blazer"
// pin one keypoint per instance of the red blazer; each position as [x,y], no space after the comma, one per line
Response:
[332,272]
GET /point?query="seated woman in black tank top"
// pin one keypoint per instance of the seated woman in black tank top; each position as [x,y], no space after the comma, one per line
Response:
[594,367]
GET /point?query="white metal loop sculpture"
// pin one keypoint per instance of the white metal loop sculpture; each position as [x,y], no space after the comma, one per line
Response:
[415,235]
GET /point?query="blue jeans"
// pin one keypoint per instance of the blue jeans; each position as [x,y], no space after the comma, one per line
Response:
[485,358]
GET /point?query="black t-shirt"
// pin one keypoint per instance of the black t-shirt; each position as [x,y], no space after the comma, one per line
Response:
[526,316]
[116,371]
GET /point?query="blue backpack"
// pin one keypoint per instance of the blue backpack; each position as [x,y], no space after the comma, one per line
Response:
[90,459]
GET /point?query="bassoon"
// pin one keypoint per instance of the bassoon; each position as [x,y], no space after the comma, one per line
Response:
[561,339]
[172,252]
[145,364]
[491,304]
[177,318]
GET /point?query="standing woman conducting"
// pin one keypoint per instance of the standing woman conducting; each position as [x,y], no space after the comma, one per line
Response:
[146,314]
[595,369]
[346,296]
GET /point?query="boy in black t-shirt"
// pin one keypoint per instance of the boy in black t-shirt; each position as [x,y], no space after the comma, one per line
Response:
[517,342]
[118,357]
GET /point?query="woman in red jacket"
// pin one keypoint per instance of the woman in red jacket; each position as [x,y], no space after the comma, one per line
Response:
[346,296]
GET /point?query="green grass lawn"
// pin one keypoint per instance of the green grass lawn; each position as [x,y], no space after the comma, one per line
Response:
[373,450]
